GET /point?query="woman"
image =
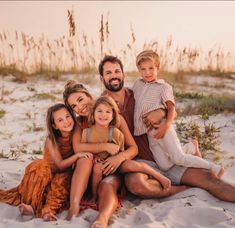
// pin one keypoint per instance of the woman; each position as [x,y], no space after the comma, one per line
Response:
[79,100]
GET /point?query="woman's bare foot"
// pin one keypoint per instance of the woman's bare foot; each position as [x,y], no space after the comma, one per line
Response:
[49,217]
[100,223]
[97,224]
[221,172]
[196,144]
[73,212]
[26,209]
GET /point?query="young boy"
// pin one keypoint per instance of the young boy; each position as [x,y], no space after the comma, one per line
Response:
[151,94]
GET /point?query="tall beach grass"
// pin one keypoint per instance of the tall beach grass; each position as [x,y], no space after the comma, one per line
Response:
[24,55]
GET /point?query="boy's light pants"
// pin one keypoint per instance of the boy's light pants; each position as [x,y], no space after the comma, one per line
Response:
[168,152]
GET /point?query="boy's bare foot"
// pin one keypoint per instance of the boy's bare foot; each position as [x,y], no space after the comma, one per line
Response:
[26,209]
[196,144]
[49,217]
[221,172]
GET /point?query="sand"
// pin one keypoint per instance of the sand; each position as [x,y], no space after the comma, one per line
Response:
[22,135]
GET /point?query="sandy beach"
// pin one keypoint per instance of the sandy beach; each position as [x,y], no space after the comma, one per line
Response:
[22,134]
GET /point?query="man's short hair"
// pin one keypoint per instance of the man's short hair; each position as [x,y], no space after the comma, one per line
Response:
[109,58]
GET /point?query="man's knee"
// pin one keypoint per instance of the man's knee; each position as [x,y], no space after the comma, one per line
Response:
[199,178]
[210,180]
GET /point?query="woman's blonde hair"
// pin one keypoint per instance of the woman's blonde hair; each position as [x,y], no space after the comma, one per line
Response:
[106,101]
[148,55]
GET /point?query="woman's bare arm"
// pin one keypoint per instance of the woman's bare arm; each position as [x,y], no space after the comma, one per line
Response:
[112,163]
[93,148]
[56,157]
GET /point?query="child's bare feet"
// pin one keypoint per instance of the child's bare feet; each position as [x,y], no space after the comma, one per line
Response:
[196,144]
[49,217]
[221,172]
[26,209]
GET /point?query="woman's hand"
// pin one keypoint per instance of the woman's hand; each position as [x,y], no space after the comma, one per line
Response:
[111,164]
[112,148]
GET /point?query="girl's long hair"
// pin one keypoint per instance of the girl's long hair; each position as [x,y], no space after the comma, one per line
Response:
[52,133]
[106,100]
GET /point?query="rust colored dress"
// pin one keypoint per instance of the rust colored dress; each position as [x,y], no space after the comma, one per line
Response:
[43,186]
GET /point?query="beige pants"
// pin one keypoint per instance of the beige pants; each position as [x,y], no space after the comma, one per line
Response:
[168,152]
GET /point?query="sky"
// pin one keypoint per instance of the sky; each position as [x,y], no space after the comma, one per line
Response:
[197,23]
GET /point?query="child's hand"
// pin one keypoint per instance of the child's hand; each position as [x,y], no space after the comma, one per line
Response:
[85,155]
[153,117]
[112,148]
[161,130]
[165,182]
[97,160]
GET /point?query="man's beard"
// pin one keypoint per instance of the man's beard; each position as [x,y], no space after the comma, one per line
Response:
[114,88]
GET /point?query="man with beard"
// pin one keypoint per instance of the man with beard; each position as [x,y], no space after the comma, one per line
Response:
[112,75]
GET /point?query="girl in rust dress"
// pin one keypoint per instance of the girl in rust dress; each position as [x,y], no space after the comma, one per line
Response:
[45,187]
